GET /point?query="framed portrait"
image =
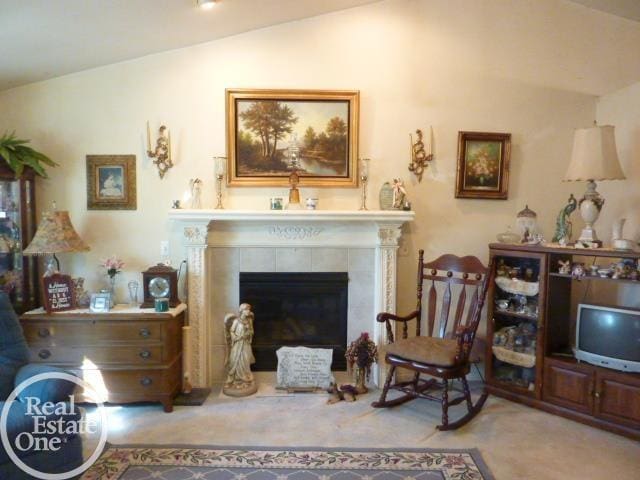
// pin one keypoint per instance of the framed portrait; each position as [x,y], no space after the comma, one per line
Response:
[272,132]
[483,165]
[111,182]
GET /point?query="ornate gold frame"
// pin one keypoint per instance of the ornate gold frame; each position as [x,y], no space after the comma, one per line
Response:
[501,192]
[352,96]
[128,200]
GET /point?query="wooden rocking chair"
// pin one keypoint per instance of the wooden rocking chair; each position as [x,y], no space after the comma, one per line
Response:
[446,355]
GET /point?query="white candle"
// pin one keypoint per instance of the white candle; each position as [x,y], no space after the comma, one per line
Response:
[220,165]
[168,144]
[364,167]
[430,139]
[148,137]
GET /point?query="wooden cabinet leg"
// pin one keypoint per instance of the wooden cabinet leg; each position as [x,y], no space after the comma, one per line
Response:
[167,404]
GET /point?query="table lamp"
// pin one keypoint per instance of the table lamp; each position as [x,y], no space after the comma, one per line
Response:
[594,157]
[55,234]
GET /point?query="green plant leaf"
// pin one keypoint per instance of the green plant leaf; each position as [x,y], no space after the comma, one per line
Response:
[17,155]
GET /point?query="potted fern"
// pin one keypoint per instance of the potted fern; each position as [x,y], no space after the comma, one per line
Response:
[18,156]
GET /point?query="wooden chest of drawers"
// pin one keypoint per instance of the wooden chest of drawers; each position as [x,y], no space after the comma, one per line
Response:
[127,354]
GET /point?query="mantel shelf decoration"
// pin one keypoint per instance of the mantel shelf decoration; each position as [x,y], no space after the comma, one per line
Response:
[162,152]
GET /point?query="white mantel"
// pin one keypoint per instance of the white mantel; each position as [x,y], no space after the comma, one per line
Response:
[283,231]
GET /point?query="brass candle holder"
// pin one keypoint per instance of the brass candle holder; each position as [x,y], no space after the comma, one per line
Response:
[162,153]
[221,164]
[364,178]
[294,193]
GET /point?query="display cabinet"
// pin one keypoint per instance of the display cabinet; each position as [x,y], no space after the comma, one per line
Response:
[531,332]
[18,274]
[516,310]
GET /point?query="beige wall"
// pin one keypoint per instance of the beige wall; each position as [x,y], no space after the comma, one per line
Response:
[416,63]
[622,109]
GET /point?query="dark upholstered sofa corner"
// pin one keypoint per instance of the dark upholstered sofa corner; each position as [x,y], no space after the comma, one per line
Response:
[14,370]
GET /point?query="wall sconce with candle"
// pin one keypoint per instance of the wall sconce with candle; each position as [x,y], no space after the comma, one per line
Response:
[162,152]
[419,157]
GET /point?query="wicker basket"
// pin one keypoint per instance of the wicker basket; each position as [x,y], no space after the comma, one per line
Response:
[514,358]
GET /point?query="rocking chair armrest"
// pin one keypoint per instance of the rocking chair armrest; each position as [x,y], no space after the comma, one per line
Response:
[385,316]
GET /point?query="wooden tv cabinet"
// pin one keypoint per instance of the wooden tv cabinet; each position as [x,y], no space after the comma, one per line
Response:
[127,354]
[541,370]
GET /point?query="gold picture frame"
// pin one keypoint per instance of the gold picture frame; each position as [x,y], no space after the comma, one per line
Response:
[318,129]
[111,182]
[483,165]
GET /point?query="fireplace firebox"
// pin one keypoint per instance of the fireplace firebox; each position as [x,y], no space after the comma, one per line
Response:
[297,309]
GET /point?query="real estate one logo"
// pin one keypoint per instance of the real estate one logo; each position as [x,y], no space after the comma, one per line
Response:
[51,422]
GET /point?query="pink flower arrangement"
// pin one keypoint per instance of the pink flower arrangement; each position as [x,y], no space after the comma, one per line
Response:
[113,265]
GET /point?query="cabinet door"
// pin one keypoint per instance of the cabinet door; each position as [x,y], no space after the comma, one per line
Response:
[515,321]
[618,398]
[568,385]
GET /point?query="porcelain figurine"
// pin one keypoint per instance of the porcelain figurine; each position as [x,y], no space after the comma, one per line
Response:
[578,270]
[564,267]
[399,193]
[563,224]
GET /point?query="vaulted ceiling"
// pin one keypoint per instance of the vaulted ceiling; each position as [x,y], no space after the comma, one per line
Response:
[42,39]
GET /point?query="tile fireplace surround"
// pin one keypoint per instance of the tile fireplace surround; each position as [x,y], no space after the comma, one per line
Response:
[222,243]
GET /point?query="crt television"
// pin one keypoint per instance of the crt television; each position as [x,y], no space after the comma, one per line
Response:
[608,336]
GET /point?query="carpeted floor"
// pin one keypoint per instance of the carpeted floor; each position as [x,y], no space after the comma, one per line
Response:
[260,463]
[516,442]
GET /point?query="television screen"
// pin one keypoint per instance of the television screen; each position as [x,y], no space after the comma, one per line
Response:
[610,332]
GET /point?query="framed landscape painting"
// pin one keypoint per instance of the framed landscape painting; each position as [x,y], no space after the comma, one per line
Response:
[483,165]
[272,132]
[111,182]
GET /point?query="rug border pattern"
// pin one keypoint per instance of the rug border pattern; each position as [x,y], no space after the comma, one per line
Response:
[454,464]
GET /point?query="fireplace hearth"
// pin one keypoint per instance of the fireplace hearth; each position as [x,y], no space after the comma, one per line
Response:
[296,309]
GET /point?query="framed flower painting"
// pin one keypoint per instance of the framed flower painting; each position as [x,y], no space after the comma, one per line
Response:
[483,165]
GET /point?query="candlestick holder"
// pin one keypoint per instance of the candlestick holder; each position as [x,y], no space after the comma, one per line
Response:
[221,163]
[162,153]
[364,178]
[419,157]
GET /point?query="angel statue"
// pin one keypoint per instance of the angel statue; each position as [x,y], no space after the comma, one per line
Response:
[239,334]
[563,224]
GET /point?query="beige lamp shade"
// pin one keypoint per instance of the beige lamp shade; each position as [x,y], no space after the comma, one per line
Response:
[594,155]
[55,234]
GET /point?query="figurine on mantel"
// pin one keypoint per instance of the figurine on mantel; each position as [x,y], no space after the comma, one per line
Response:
[239,335]
[399,193]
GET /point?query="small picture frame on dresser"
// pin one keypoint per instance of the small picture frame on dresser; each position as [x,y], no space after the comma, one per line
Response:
[100,302]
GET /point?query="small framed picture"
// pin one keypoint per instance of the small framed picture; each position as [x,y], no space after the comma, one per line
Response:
[111,182]
[276,203]
[100,302]
[483,165]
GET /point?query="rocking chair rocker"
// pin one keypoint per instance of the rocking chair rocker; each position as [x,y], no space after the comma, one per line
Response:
[445,356]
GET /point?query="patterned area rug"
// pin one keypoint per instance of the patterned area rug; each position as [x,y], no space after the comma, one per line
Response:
[263,463]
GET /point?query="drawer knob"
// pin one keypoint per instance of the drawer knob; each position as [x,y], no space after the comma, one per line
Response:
[43,332]
[145,354]
[145,381]
[145,332]
[44,354]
